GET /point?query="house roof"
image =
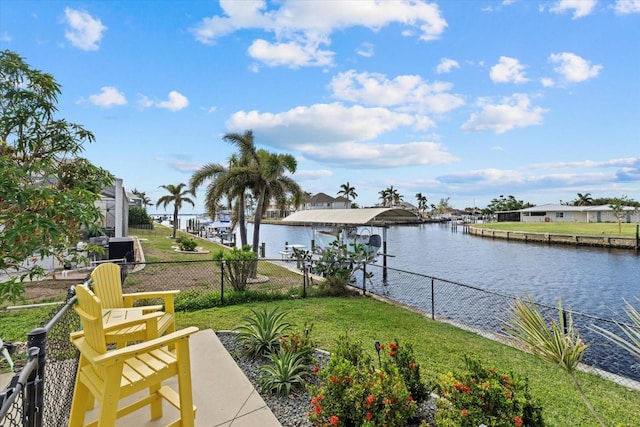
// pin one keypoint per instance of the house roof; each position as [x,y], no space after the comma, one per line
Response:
[363,216]
[320,198]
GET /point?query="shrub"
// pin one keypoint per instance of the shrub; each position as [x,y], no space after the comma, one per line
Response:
[187,244]
[402,357]
[286,372]
[484,396]
[238,265]
[355,393]
[138,216]
[260,334]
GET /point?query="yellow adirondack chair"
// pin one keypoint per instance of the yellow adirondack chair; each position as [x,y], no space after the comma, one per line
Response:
[107,285]
[112,375]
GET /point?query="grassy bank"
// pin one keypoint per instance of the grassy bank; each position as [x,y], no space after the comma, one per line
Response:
[440,348]
[572,228]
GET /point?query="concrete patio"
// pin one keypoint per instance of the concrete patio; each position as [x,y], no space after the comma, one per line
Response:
[222,393]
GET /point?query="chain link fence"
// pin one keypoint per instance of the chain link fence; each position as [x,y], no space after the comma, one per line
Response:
[207,283]
[485,312]
[40,394]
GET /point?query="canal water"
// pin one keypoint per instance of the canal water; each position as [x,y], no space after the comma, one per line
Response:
[595,281]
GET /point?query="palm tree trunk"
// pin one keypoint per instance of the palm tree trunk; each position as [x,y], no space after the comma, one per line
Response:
[241,220]
[175,221]
[257,220]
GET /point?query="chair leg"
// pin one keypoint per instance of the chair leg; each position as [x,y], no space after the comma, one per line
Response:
[81,395]
[187,414]
[109,399]
[155,406]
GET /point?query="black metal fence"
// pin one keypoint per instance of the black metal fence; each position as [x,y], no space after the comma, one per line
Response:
[40,393]
[485,312]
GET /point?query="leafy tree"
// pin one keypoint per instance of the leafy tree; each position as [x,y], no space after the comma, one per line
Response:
[443,206]
[48,192]
[620,209]
[177,196]
[348,192]
[508,203]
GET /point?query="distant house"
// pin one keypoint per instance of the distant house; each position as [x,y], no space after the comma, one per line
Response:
[565,213]
[114,204]
[324,201]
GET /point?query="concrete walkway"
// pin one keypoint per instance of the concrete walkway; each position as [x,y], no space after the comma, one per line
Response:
[221,392]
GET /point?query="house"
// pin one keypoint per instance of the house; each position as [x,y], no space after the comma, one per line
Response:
[566,213]
[324,201]
[114,204]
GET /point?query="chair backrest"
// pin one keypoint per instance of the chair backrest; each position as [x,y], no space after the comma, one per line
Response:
[90,311]
[107,284]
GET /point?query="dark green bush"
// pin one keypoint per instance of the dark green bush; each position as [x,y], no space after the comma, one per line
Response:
[138,216]
[239,265]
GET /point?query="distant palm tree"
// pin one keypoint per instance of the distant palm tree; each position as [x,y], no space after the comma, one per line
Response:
[583,200]
[385,197]
[144,199]
[177,196]
[348,192]
[390,197]
[422,203]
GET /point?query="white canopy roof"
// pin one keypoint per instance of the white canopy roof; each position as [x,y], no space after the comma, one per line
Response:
[366,216]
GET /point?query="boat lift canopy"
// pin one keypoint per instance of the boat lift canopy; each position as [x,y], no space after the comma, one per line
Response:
[365,216]
[380,217]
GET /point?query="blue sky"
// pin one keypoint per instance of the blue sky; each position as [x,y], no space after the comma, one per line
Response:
[461,99]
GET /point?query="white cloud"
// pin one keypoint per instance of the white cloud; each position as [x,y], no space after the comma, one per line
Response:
[511,113]
[319,124]
[580,8]
[446,65]
[333,133]
[5,37]
[144,102]
[624,7]
[109,97]
[629,161]
[84,32]
[408,92]
[176,102]
[508,70]
[366,49]
[291,54]
[547,82]
[374,155]
[310,175]
[573,68]
[301,27]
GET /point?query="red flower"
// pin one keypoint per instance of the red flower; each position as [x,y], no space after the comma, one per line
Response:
[334,420]
[485,385]
[316,368]
[464,412]
[518,421]
[392,346]
[409,399]
[370,399]
[412,365]
[392,353]
[368,416]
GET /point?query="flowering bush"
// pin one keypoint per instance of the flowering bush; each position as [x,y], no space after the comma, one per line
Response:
[300,343]
[354,393]
[484,396]
[402,357]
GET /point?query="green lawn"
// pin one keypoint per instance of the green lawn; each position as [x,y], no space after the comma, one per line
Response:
[573,228]
[440,348]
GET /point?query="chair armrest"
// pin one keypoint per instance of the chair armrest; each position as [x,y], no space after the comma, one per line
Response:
[115,356]
[145,318]
[167,296]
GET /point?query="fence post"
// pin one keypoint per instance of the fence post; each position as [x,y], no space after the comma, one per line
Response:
[222,281]
[305,277]
[34,407]
[364,279]
[433,301]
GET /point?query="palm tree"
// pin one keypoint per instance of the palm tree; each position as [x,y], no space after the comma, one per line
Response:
[583,200]
[177,196]
[269,182]
[144,199]
[385,197]
[348,192]
[224,183]
[422,203]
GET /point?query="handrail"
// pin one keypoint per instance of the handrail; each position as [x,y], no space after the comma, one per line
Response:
[9,395]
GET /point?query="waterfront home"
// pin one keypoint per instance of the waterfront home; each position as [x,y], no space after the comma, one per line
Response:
[566,213]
